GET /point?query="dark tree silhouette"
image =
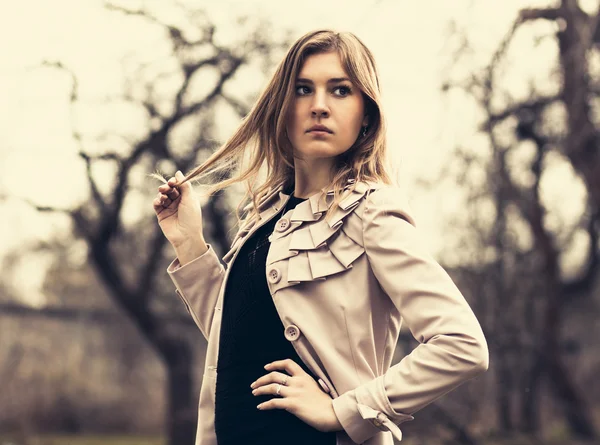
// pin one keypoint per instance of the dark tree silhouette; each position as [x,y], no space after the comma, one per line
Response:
[520,284]
[130,260]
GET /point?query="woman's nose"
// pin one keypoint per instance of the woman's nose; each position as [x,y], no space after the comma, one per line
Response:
[319,106]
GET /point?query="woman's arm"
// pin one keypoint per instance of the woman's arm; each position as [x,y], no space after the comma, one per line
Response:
[198,282]
[452,346]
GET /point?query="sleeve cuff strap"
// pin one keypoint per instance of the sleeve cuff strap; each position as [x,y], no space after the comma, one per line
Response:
[362,412]
[347,412]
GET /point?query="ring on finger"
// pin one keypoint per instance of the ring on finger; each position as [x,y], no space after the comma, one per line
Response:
[284,381]
[278,389]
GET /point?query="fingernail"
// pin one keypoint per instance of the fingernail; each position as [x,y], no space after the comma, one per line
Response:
[252,386]
[258,406]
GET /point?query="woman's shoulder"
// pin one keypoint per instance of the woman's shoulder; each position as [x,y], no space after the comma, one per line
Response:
[387,200]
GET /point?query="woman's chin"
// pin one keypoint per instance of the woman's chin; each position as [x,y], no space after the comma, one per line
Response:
[310,155]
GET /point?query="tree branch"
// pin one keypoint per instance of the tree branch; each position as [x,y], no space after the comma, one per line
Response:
[530,14]
[73,97]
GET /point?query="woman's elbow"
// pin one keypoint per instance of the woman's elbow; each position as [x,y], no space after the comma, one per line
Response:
[480,356]
[473,354]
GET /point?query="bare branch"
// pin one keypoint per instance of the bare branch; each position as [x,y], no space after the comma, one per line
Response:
[530,14]
[174,33]
[74,96]
[240,108]
[536,104]
[98,199]
[43,208]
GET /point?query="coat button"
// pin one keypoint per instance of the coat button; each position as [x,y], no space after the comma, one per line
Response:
[274,275]
[292,333]
[324,386]
[282,224]
[378,421]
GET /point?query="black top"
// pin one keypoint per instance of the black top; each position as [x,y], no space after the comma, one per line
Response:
[252,335]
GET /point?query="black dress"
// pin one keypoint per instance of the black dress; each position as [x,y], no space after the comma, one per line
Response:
[252,335]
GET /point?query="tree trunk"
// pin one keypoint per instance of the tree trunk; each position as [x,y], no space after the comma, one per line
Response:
[576,411]
[503,389]
[530,393]
[174,351]
[182,410]
[582,142]
[574,406]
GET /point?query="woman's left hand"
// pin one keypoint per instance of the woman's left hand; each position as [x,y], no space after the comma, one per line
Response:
[301,395]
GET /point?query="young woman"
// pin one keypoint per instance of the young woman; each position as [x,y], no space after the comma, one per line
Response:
[303,321]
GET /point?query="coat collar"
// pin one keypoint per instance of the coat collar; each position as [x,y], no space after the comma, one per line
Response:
[310,209]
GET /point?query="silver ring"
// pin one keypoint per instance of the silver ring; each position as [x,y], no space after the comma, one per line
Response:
[284,382]
[278,389]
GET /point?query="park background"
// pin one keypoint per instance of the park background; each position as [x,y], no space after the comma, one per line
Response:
[493,119]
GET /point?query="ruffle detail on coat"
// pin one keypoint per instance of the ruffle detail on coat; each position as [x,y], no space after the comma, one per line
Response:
[311,248]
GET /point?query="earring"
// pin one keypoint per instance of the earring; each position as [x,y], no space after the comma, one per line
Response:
[364,132]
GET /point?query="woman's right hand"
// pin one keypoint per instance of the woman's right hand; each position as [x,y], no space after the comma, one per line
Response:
[179,213]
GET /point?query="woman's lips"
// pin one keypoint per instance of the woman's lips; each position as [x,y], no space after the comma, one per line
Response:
[319,133]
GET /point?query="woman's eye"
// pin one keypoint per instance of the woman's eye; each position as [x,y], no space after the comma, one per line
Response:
[302,90]
[344,91]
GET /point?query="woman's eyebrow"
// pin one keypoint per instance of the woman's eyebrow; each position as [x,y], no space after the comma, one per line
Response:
[332,80]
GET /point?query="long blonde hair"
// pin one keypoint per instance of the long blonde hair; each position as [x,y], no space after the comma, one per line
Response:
[261,136]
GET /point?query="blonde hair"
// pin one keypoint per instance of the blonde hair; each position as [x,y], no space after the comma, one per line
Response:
[262,136]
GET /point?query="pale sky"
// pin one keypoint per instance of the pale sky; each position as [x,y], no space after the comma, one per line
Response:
[409,39]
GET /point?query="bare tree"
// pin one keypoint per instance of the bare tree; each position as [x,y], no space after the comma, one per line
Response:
[518,274]
[130,258]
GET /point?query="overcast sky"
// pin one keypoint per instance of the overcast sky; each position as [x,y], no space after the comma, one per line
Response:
[409,39]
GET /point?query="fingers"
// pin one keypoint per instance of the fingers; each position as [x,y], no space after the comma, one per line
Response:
[168,192]
[164,200]
[165,188]
[276,403]
[288,365]
[272,390]
[184,189]
[270,384]
[272,377]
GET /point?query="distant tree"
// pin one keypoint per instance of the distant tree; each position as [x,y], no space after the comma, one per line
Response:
[129,256]
[515,243]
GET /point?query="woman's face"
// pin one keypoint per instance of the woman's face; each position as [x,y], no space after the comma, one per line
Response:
[325,96]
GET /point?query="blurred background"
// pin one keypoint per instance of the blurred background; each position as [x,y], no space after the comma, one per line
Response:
[493,113]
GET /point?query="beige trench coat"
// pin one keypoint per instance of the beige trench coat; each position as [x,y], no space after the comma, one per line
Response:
[342,289]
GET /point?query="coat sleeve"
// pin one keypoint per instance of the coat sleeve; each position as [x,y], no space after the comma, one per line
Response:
[452,345]
[198,284]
